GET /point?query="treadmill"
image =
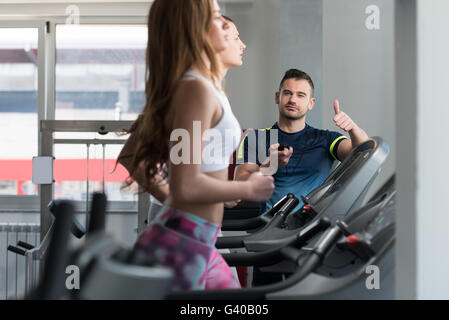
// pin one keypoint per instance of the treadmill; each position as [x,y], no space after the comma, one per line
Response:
[107,270]
[112,272]
[360,265]
[340,194]
[340,264]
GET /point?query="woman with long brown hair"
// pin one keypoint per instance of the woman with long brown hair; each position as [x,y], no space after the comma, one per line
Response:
[188,126]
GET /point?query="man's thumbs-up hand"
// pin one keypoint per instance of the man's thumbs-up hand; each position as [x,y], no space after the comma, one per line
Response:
[341,119]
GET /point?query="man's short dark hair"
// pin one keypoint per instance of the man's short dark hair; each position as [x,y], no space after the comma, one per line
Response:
[298,75]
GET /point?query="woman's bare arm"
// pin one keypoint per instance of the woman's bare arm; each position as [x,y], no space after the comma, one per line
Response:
[194,101]
[159,188]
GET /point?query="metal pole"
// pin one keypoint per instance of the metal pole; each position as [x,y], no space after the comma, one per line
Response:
[7,266]
[17,262]
[27,229]
[87,187]
[29,272]
[46,190]
[104,154]
[143,205]
[35,263]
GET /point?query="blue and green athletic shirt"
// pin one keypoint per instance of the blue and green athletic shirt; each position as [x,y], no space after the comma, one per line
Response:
[314,152]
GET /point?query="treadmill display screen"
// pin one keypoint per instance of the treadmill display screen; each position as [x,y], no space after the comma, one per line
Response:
[383,220]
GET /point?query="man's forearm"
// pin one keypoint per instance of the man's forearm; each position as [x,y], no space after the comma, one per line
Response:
[358,136]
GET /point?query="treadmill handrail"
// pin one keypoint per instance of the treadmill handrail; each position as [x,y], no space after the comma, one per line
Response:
[255,222]
[312,261]
[315,256]
[237,241]
[378,153]
[273,256]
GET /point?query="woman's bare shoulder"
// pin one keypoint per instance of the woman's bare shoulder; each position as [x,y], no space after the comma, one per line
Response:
[193,93]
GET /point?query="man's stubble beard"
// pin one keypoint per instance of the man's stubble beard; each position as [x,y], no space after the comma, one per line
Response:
[290,117]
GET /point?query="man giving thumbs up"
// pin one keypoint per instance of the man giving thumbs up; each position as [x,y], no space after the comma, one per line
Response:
[344,122]
[311,152]
[307,158]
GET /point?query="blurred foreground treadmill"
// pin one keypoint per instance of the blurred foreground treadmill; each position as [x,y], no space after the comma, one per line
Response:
[107,271]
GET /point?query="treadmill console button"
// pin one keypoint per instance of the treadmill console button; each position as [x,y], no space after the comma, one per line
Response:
[352,241]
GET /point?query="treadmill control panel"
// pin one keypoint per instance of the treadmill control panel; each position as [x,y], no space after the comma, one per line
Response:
[366,242]
[383,220]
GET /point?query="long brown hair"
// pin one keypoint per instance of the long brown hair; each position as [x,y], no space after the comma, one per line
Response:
[177,36]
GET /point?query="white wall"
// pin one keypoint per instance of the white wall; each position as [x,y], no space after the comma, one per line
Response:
[423,95]
[326,38]
[279,34]
[252,86]
[301,46]
[358,69]
[329,40]
[432,174]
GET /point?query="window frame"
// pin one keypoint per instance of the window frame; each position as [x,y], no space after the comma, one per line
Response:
[91,14]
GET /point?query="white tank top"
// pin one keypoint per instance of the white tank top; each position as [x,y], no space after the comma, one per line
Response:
[223,139]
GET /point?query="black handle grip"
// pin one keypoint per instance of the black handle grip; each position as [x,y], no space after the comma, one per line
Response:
[97,213]
[243,210]
[53,280]
[25,245]
[242,224]
[230,242]
[16,250]
[289,206]
[313,229]
[52,206]
[77,228]
[279,216]
[260,259]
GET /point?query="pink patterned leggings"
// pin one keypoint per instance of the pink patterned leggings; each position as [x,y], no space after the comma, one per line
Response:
[185,243]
